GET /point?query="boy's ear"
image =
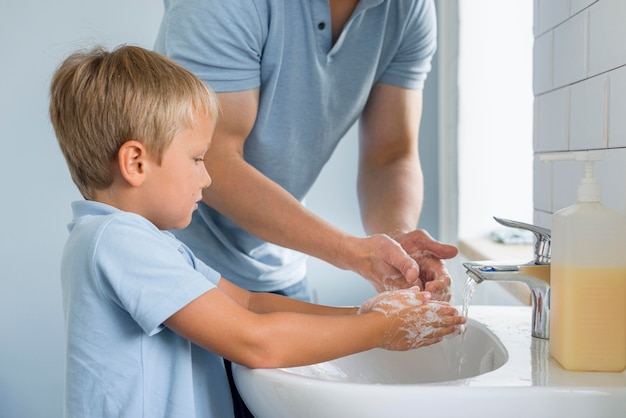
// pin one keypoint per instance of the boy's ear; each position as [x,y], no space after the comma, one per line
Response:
[131,158]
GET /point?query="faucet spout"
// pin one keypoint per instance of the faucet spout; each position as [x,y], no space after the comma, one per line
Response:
[543,238]
[532,273]
[539,289]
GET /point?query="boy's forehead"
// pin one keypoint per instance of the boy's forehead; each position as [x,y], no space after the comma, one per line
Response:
[201,128]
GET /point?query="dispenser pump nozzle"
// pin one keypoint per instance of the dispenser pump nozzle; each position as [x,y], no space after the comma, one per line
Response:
[589,188]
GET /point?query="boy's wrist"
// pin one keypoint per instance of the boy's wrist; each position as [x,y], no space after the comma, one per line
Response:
[381,327]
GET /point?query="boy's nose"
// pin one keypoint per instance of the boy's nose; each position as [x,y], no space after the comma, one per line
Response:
[206,181]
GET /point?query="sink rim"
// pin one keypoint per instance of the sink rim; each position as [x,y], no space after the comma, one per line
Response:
[290,376]
[500,357]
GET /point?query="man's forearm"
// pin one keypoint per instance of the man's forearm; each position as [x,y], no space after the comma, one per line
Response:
[391,197]
[266,210]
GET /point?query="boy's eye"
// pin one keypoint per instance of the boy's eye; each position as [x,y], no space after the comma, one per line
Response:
[198,159]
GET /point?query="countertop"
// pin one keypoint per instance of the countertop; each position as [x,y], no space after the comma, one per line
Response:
[530,364]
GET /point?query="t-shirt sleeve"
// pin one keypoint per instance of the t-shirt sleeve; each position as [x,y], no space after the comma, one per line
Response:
[147,273]
[219,41]
[412,62]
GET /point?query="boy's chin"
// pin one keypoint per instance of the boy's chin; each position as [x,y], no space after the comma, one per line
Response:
[180,225]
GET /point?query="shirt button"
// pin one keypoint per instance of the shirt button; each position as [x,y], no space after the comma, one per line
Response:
[321,25]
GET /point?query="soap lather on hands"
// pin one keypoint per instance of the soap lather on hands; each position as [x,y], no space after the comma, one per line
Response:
[412,319]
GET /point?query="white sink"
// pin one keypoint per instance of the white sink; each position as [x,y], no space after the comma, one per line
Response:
[488,380]
[437,363]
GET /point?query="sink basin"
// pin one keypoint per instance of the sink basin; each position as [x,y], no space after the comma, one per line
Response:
[284,392]
[503,372]
[436,363]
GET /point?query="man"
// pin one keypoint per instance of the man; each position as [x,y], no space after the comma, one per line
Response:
[292,77]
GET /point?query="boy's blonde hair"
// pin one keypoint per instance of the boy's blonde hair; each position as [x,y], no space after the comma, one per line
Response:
[99,100]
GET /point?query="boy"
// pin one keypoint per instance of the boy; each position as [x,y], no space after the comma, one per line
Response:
[147,322]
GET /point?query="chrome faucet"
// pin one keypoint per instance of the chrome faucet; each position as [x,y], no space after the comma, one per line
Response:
[522,272]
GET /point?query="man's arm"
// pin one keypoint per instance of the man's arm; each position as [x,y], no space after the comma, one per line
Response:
[249,198]
[265,209]
[390,182]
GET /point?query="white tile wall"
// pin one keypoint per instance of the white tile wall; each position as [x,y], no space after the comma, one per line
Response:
[607,31]
[552,121]
[542,186]
[611,173]
[587,124]
[570,50]
[578,5]
[617,106]
[542,63]
[580,99]
[565,178]
[549,13]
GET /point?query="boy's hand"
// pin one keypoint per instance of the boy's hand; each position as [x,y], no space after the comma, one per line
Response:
[412,320]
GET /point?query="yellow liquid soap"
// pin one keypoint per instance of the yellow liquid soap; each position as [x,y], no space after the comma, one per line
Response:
[588,278]
[588,317]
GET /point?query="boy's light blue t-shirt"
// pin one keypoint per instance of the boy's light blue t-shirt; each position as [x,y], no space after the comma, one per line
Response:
[121,279]
[311,92]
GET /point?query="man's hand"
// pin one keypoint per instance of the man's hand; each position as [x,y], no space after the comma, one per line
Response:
[429,255]
[383,262]
[401,261]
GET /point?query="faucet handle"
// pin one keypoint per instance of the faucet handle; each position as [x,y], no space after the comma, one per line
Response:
[542,238]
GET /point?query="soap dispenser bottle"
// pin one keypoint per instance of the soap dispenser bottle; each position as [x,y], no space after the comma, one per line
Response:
[588,278]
